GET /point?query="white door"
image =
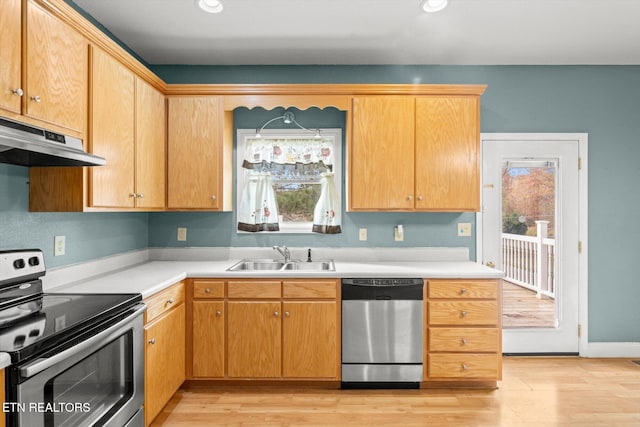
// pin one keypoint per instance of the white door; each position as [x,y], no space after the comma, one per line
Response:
[531,230]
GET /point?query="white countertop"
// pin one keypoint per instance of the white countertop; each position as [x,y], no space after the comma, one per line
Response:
[151,277]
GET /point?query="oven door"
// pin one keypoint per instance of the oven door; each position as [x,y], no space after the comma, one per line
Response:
[96,382]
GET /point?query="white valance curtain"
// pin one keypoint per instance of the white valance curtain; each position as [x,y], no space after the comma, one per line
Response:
[287,159]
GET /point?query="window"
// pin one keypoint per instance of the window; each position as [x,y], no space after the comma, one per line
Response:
[289,172]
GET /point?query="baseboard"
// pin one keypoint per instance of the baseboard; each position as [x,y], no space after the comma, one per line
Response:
[612,349]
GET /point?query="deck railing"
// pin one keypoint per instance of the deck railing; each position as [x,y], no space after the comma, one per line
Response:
[530,261]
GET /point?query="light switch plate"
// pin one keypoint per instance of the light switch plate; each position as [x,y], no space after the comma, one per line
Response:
[59,245]
[182,234]
[362,234]
[464,229]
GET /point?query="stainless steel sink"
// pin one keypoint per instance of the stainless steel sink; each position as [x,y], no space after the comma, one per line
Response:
[326,265]
[275,265]
[257,264]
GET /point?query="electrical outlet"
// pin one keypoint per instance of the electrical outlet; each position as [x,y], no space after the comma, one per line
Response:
[182,234]
[464,229]
[362,234]
[59,245]
[398,233]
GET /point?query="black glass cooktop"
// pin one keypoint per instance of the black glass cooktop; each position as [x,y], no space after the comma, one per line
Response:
[36,324]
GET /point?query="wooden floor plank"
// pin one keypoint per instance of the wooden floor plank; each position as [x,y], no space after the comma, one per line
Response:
[536,391]
[522,309]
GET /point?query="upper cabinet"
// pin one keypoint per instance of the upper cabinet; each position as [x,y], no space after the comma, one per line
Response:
[194,153]
[51,85]
[11,90]
[127,129]
[415,153]
[55,71]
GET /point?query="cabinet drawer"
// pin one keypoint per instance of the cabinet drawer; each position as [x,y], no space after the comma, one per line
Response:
[463,366]
[463,313]
[208,289]
[486,289]
[262,289]
[464,339]
[309,289]
[163,301]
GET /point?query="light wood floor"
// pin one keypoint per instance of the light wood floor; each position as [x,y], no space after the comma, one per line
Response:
[534,392]
[522,309]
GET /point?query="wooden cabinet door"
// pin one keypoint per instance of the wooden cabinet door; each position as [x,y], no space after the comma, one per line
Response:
[164,360]
[150,147]
[56,70]
[194,153]
[448,153]
[381,161]
[112,132]
[10,55]
[254,339]
[309,336]
[208,339]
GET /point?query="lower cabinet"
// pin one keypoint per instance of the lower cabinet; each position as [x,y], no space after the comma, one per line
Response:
[164,354]
[265,329]
[462,334]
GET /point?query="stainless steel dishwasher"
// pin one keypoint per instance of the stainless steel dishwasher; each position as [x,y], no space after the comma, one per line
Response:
[382,333]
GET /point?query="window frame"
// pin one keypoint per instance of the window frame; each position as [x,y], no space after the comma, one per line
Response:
[286,228]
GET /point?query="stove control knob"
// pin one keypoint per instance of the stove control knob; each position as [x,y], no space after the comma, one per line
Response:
[18,264]
[34,261]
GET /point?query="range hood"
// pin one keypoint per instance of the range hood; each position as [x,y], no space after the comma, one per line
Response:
[27,145]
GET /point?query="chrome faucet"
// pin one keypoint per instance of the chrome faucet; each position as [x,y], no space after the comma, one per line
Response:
[284,251]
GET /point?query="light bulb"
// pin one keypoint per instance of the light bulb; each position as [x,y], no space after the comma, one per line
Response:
[431,6]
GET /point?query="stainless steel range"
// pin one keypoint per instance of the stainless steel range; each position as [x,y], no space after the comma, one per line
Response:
[382,333]
[76,359]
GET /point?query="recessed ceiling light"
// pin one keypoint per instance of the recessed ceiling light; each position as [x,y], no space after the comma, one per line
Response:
[431,6]
[210,6]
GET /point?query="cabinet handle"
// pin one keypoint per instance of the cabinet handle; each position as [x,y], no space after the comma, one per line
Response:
[207,290]
[409,197]
[169,301]
[420,198]
[18,92]
[463,291]
[140,196]
[152,341]
[36,98]
[276,314]
[463,313]
[134,195]
[218,313]
[464,367]
[286,314]
[213,197]
[463,341]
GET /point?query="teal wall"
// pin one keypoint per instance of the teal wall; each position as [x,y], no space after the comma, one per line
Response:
[88,235]
[599,100]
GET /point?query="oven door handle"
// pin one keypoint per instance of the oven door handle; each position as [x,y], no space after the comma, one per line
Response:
[41,364]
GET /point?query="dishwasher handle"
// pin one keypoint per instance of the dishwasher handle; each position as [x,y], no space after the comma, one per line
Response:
[384,293]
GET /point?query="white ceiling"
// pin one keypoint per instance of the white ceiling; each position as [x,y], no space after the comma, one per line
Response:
[468,32]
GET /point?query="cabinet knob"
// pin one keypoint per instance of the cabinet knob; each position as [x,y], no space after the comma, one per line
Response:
[420,198]
[207,290]
[140,196]
[464,367]
[276,314]
[463,313]
[463,341]
[152,341]
[409,197]
[170,301]
[286,314]
[18,92]
[213,197]
[36,98]
[218,313]
[133,195]
[463,291]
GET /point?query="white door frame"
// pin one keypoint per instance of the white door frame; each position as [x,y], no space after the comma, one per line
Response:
[583,257]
